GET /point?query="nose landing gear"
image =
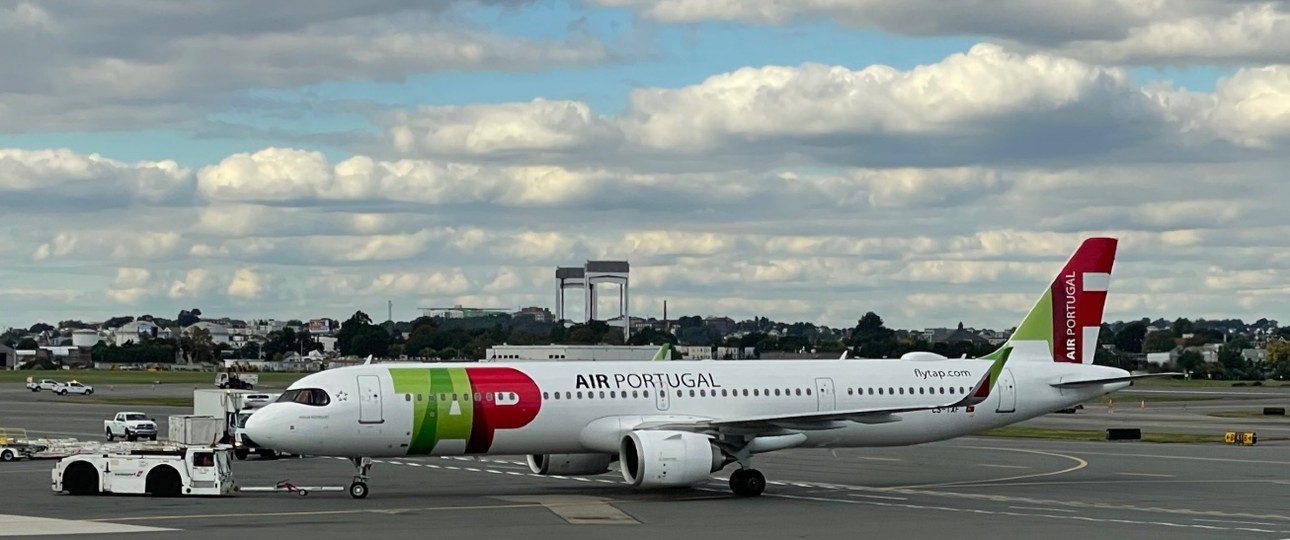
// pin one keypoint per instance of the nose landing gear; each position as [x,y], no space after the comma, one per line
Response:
[358,488]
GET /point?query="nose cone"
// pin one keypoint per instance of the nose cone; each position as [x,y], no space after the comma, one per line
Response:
[259,429]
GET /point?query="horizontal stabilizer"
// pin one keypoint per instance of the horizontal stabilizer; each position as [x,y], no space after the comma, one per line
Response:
[1109,380]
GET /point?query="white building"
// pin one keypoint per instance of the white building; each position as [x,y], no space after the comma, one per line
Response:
[220,334]
[135,331]
[86,338]
[505,353]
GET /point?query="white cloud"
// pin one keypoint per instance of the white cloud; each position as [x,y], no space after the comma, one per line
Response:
[991,104]
[438,283]
[1131,31]
[196,282]
[106,65]
[246,283]
[131,285]
[524,128]
[60,180]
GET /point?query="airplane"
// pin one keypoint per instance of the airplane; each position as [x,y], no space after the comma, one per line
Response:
[673,424]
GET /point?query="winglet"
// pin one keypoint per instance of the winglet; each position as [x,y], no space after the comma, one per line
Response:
[844,355]
[663,353]
[987,382]
[369,360]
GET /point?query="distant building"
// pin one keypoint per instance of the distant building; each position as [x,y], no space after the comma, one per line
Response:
[505,353]
[537,314]
[695,352]
[1255,355]
[8,358]
[220,334]
[135,331]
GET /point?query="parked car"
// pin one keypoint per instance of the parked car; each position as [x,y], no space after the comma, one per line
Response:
[73,387]
[43,384]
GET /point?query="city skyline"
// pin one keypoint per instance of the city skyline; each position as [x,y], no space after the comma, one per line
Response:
[808,161]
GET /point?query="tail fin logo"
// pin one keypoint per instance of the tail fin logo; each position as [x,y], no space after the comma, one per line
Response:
[1066,320]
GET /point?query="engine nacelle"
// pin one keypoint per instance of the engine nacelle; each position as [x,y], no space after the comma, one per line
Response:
[668,458]
[569,464]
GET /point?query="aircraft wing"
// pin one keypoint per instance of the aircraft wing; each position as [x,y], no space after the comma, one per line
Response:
[1109,380]
[833,419]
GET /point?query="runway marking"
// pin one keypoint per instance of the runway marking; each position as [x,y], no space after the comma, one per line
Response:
[1238,522]
[1079,464]
[1145,474]
[1042,508]
[12,525]
[868,496]
[580,509]
[318,512]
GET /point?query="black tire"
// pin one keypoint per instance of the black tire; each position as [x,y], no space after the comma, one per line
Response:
[152,438]
[268,454]
[163,481]
[358,490]
[241,453]
[62,392]
[89,392]
[8,455]
[81,478]
[747,483]
[129,436]
[110,436]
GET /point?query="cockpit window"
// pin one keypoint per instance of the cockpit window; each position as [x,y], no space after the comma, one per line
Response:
[305,396]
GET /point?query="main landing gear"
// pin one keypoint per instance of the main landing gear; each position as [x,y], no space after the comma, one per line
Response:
[358,488]
[747,482]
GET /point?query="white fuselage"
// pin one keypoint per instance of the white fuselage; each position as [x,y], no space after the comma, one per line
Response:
[385,410]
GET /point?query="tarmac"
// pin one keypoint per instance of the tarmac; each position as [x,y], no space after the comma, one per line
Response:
[967,488]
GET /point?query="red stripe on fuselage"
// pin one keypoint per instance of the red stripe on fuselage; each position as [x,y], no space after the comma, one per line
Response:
[489,416]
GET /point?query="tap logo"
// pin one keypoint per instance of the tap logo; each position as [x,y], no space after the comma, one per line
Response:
[466,404]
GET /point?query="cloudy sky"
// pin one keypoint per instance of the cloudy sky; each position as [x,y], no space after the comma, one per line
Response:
[811,160]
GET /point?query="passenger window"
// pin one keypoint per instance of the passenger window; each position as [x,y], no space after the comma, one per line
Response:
[477,396]
[407,397]
[851,391]
[645,393]
[579,395]
[634,393]
[557,396]
[602,394]
[612,394]
[691,393]
[880,392]
[920,390]
[902,390]
[777,391]
[808,391]
[678,393]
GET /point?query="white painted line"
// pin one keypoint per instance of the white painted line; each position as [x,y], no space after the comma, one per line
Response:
[11,525]
[868,496]
[1237,522]
[1042,508]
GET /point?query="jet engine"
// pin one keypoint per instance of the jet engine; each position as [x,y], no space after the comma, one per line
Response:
[668,458]
[569,464]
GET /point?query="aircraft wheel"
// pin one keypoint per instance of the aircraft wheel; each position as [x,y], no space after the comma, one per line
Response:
[747,483]
[358,490]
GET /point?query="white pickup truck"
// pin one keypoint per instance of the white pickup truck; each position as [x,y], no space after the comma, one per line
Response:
[73,387]
[131,426]
[43,384]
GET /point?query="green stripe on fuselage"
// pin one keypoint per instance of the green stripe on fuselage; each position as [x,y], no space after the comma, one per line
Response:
[455,383]
[433,418]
